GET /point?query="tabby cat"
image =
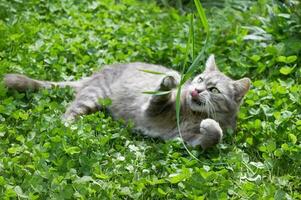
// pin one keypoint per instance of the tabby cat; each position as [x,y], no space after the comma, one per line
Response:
[209,102]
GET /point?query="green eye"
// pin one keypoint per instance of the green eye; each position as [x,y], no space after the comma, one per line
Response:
[214,90]
[200,80]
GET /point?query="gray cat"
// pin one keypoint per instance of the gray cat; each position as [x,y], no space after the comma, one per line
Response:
[209,103]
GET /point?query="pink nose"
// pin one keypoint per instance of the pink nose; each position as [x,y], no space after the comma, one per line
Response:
[194,93]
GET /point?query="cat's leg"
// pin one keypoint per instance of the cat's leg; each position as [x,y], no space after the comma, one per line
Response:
[157,102]
[210,135]
[86,101]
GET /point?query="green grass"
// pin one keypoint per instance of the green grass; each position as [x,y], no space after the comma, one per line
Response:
[101,158]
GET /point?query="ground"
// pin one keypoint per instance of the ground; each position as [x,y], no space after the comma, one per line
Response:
[101,158]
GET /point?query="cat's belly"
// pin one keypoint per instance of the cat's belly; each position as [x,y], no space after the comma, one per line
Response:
[129,100]
[163,126]
[155,132]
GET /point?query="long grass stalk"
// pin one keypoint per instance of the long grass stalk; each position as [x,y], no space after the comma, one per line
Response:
[187,75]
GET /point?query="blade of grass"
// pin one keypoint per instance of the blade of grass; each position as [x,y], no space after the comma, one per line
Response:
[151,72]
[195,62]
[156,92]
[193,66]
[188,44]
[202,15]
[205,24]
[192,35]
[178,108]
[191,69]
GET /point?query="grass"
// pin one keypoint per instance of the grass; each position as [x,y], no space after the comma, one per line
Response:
[101,158]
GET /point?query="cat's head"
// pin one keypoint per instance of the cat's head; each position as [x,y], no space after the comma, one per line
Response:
[212,92]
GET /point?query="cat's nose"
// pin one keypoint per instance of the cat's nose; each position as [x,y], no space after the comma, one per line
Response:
[196,92]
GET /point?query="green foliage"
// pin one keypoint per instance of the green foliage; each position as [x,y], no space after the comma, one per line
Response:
[101,158]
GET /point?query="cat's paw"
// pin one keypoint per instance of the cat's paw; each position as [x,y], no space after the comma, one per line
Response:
[210,125]
[169,82]
[211,133]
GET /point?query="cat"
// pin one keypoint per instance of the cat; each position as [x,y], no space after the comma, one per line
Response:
[209,102]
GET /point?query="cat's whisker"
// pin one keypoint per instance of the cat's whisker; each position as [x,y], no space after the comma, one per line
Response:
[214,111]
[211,107]
[207,107]
[207,103]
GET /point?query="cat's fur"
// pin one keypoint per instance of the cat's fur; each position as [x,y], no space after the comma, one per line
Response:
[209,103]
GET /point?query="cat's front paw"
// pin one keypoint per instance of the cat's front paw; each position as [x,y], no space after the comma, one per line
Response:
[211,133]
[169,82]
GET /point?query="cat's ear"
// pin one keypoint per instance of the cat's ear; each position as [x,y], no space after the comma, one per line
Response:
[210,64]
[241,87]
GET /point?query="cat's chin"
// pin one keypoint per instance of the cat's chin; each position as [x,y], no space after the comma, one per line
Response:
[196,106]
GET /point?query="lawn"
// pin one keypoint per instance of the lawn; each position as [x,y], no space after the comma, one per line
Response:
[98,157]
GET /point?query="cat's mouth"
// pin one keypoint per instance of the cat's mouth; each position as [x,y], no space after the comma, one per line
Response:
[198,102]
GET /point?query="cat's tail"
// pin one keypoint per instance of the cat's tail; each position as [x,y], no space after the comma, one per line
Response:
[22,83]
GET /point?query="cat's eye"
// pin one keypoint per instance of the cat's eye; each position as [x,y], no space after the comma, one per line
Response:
[214,90]
[200,79]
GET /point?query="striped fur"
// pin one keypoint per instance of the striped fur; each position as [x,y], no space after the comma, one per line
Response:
[209,102]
